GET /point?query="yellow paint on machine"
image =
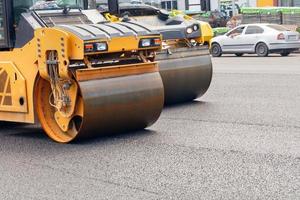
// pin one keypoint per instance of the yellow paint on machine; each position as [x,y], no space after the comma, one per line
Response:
[206,30]
[20,65]
[20,68]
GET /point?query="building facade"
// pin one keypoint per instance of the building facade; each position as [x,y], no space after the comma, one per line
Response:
[295,3]
[198,5]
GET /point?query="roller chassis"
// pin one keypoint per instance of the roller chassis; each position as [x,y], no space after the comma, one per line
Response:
[65,74]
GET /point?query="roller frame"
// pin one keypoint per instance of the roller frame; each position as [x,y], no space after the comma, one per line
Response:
[102,98]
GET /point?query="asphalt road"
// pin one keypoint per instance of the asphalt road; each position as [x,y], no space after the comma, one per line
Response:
[240,141]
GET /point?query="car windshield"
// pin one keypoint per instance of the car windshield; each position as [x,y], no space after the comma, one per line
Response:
[278,27]
[235,32]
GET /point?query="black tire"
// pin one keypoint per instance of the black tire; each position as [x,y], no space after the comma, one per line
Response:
[262,50]
[285,54]
[239,54]
[216,50]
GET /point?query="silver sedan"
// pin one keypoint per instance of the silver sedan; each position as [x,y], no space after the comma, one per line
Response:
[261,39]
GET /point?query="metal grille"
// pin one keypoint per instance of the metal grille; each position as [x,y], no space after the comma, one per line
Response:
[297,3]
[291,19]
[58,19]
[262,18]
[5,89]
[251,18]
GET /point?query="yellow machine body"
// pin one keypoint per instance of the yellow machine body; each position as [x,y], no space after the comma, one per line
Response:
[82,80]
[20,68]
[207,33]
[18,73]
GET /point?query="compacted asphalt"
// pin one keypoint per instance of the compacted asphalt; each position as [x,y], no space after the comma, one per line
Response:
[240,141]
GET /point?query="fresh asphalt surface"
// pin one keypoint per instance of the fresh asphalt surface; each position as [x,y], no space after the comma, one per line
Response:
[240,141]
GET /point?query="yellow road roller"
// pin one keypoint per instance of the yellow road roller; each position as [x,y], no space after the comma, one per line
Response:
[77,76]
[184,62]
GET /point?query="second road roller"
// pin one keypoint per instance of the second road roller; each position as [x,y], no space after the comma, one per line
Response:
[185,63]
[77,76]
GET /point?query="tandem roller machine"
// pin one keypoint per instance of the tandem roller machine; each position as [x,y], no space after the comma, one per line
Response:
[77,76]
[185,63]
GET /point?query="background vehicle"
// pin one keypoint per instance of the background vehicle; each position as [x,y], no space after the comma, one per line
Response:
[78,76]
[261,39]
[185,64]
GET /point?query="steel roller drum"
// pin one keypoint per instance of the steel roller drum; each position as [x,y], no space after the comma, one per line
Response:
[121,104]
[186,74]
[120,99]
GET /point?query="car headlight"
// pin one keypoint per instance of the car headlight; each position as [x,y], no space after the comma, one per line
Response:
[95,47]
[150,42]
[189,30]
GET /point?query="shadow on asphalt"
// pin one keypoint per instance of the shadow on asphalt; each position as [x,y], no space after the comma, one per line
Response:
[12,129]
[116,136]
[35,132]
[185,104]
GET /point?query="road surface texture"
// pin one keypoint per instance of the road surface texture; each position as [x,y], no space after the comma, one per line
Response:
[240,141]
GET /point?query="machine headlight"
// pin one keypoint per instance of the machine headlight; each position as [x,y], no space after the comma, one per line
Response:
[95,47]
[101,46]
[150,42]
[189,30]
[146,42]
[196,27]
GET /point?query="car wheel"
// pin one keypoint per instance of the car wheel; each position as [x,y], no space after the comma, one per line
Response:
[239,54]
[216,50]
[284,54]
[262,50]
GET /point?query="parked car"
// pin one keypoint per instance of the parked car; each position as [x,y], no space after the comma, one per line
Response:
[261,39]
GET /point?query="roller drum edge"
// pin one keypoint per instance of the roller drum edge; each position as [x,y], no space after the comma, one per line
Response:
[185,78]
